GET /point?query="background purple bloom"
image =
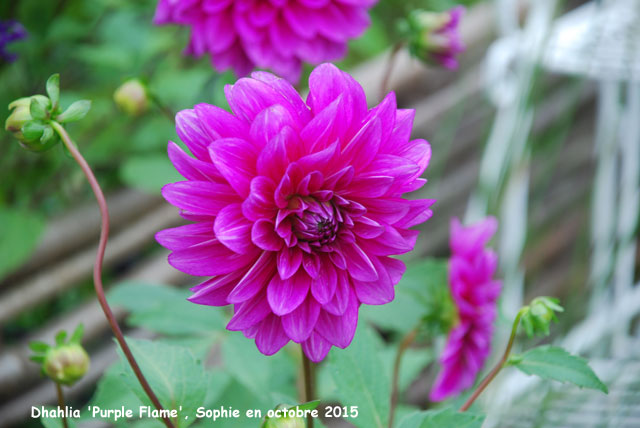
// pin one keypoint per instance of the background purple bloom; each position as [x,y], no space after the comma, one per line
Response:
[10,31]
[435,36]
[474,292]
[274,34]
[297,206]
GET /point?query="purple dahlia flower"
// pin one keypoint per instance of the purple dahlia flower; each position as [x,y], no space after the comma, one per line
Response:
[10,31]
[436,38]
[297,206]
[474,292]
[274,34]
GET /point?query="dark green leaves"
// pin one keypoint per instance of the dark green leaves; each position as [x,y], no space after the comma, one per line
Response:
[550,362]
[361,380]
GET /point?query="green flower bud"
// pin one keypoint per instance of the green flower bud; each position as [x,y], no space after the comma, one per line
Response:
[537,317]
[66,364]
[34,134]
[131,97]
[284,421]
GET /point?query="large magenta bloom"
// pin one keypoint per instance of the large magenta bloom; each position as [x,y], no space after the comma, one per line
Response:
[297,206]
[474,292]
[274,34]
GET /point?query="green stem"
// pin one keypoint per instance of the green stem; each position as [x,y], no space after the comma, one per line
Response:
[404,345]
[61,405]
[494,372]
[309,384]
[97,267]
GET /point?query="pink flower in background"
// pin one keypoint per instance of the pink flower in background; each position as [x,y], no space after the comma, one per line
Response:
[435,37]
[474,292]
[276,34]
[296,206]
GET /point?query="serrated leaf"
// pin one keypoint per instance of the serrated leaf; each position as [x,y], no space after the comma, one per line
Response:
[39,347]
[76,111]
[361,380]
[174,374]
[165,309]
[554,363]
[53,89]
[60,337]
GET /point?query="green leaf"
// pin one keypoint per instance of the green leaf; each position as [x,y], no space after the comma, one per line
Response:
[165,309]
[39,347]
[53,89]
[442,418]
[76,337]
[33,130]
[149,172]
[19,235]
[361,379]
[76,111]
[551,362]
[60,337]
[174,374]
[112,393]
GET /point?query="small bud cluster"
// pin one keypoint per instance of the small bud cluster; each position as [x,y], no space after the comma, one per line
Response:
[538,315]
[132,97]
[66,362]
[31,118]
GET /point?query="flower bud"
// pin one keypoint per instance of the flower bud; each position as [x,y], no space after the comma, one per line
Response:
[434,37]
[284,421]
[131,97]
[66,364]
[537,317]
[33,134]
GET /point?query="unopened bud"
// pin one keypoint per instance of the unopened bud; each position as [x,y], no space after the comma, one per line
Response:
[66,364]
[537,317]
[32,133]
[132,97]
[285,418]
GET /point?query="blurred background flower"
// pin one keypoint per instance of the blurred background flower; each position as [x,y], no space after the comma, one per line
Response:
[10,31]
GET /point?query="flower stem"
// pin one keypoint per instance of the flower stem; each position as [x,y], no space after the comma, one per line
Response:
[309,384]
[404,345]
[61,405]
[97,267]
[494,372]
[384,85]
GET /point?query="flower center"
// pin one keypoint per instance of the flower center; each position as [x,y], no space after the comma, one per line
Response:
[317,223]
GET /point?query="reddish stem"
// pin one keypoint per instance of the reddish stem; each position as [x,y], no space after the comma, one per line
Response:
[97,268]
[494,372]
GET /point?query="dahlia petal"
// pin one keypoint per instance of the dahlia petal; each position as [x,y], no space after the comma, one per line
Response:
[269,123]
[271,336]
[219,123]
[363,147]
[390,242]
[324,129]
[199,197]
[284,295]
[323,287]
[298,17]
[367,228]
[191,132]
[372,186]
[419,212]
[316,347]
[338,305]
[249,313]
[401,132]
[233,230]
[339,330]
[341,179]
[299,323]
[288,92]
[273,159]
[386,210]
[214,6]
[418,152]
[202,259]
[214,292]
[375,292]
[395,268]
[264,235]
[188,235]
[260,202]
[248,97]
[289,260]
[191,168]
[327,83]
[219,32]
[255,280]
[398,167]
[385,112]
[358,263]
[235,158]
[319,161]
